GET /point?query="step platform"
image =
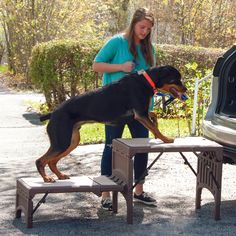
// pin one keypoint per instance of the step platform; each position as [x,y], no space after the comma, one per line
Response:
[27,188]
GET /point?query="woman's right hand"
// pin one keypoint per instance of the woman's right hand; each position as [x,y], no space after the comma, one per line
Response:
[128,66]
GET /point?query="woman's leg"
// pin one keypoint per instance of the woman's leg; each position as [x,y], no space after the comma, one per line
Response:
[137,130]
[140,164]
[111,132]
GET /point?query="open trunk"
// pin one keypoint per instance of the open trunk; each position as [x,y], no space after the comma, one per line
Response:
[220,121]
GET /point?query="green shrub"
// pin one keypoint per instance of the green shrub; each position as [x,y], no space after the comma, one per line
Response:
[180,55]
[63,69]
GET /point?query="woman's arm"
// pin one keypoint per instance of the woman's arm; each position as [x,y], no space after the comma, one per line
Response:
[106,67]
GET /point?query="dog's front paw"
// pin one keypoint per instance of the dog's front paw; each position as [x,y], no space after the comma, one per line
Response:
[63,176]
[168,140]
[48,179]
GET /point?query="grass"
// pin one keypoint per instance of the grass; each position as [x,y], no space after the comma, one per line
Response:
[94,133]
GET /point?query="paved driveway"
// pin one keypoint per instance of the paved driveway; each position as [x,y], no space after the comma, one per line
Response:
[23,139]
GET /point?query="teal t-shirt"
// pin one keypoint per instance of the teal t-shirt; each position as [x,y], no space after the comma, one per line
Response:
[116,51]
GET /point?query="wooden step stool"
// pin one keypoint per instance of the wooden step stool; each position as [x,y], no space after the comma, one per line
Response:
[208,172]
[27,188]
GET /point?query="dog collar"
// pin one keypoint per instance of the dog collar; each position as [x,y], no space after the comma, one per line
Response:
[148,78]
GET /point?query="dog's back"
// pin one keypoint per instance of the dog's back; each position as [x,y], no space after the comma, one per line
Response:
[108,104]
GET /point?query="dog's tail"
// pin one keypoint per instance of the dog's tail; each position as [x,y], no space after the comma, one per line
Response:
[45,117]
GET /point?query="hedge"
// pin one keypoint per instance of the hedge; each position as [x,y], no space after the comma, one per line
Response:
[181,55]
[63,69]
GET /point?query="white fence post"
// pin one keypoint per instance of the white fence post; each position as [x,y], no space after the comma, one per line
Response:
[197,83]
[193,132]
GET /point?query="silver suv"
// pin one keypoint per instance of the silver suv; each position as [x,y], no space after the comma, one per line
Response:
[220,121]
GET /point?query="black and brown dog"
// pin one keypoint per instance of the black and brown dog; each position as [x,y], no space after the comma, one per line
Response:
[128,98]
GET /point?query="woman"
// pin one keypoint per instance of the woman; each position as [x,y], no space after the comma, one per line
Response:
[127,53]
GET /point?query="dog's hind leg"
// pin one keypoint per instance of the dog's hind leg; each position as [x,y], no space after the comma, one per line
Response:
[42,162]
[60,135]
[52,164]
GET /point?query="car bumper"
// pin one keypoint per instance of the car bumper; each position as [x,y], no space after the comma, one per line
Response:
[223,135]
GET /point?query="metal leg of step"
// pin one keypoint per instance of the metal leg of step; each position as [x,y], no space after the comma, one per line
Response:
[145,173]
[43,200]
[187,163]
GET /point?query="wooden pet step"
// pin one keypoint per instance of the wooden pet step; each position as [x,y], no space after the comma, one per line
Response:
[27,188]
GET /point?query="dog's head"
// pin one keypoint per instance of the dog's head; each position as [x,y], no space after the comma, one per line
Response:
[168,80]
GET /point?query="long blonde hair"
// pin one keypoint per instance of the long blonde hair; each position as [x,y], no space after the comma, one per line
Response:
[146,45]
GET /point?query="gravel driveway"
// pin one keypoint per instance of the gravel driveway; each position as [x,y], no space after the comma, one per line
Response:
[23,139]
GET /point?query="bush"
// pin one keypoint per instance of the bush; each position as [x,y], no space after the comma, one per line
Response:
[181,55]
[63,69]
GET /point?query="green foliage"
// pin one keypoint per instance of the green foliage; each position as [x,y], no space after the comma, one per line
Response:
[95,133]
[63,69]
[180,55]
[193,62]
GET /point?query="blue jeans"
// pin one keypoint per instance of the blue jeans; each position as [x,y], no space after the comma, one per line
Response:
[137,130]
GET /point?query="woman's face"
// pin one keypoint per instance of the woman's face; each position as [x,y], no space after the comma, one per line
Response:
[141,30]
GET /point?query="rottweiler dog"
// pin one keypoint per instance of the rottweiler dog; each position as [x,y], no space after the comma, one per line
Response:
[123,100]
